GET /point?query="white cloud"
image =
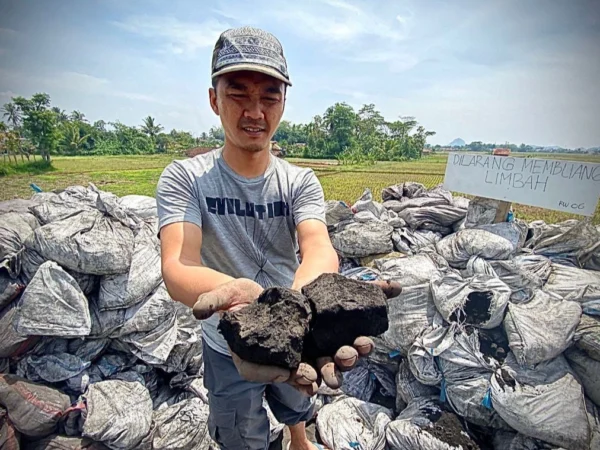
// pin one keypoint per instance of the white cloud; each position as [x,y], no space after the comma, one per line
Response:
[8,94]
[176,36]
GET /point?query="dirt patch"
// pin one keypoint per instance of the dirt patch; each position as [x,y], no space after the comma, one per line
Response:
[270,330]
[448,429]
[476,310]
[343,309]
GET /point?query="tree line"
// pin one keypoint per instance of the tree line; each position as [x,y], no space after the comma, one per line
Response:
[33,125]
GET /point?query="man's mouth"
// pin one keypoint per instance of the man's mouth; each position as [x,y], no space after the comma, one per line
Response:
[253,131]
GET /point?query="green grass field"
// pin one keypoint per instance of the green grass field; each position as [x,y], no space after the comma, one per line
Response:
[139,174]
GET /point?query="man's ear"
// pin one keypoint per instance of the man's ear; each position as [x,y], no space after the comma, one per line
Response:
[212,95]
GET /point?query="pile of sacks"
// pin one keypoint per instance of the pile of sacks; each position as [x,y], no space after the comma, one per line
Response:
[494,341]
[93,352]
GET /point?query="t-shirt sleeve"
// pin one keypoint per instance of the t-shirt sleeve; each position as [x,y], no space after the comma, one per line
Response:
[309,200]
[177,198]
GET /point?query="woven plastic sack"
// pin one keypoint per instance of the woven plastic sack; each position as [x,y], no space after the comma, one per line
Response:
[409,388]
[51,368]
[412,241]
[144,276]
[524,274]
[67,203]
[53,305]
[482,211]
[542,328]
[479,301]
[423,425]
[545,402]
[411,270]
[87,242]
[587,371]
[181,426]
[11,342]
[15,228]
[408,315]
[570,240]
[139,205]
[150,328]
[59,442]
[408,189]
[119,414]
[350,423]
[587,336]
[34,409]
[357,240]
[10,438]
[498,241]
[451,359]
[571,283]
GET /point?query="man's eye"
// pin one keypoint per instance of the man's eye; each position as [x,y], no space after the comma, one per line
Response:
[238,96]
[271,99]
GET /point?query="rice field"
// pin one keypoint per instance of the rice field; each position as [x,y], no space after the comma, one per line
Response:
[139,174]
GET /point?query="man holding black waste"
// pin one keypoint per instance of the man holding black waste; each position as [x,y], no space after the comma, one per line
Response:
[231,222]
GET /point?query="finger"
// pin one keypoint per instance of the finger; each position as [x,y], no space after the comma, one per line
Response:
[211,302]
[332,376]
[304,375]
[258,373]
[391,289]
[345,358]
[363,345]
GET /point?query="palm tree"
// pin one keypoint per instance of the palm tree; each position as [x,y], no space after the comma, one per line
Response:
[13,114]
[72,139]
[78,116]
[151,128]
[61,114]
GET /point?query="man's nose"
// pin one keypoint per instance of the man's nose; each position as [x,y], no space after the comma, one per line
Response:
[254,110]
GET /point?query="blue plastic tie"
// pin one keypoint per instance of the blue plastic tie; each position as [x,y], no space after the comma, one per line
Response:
[35,187]
[443,391]
[394,353]
[373,377]
[354,444]
[487,400]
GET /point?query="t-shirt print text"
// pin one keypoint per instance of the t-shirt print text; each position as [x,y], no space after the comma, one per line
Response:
[235,206]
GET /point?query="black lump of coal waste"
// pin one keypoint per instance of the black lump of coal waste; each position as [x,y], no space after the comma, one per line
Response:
[343,309]
[284,327]
[271,330]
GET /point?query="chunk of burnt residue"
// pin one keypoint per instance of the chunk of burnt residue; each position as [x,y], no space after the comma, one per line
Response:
[271,330]
[343,309]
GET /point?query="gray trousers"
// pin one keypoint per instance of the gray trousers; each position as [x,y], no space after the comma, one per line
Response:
[237,419]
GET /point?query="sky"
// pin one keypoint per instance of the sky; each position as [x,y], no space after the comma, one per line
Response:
[494,71]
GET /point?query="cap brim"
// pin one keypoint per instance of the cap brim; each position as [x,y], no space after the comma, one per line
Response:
[253,68]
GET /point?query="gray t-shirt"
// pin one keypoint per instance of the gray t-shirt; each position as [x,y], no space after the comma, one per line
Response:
[248,224]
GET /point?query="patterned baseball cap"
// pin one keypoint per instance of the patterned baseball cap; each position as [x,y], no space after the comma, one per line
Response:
[249,48]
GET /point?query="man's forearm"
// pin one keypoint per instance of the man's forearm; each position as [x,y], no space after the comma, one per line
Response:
[185,282]
[314,263]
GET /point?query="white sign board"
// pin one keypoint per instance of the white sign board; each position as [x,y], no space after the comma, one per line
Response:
[567,186]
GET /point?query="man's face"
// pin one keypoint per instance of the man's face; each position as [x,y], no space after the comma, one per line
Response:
[250,105]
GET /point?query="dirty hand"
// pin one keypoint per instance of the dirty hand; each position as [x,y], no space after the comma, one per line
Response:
[227,297]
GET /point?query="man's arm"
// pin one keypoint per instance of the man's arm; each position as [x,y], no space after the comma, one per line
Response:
[317,253]
[184,275]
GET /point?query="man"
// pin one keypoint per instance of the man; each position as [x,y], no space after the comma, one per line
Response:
[231,222]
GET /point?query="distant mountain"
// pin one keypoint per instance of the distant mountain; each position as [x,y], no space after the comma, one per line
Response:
[458,142]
